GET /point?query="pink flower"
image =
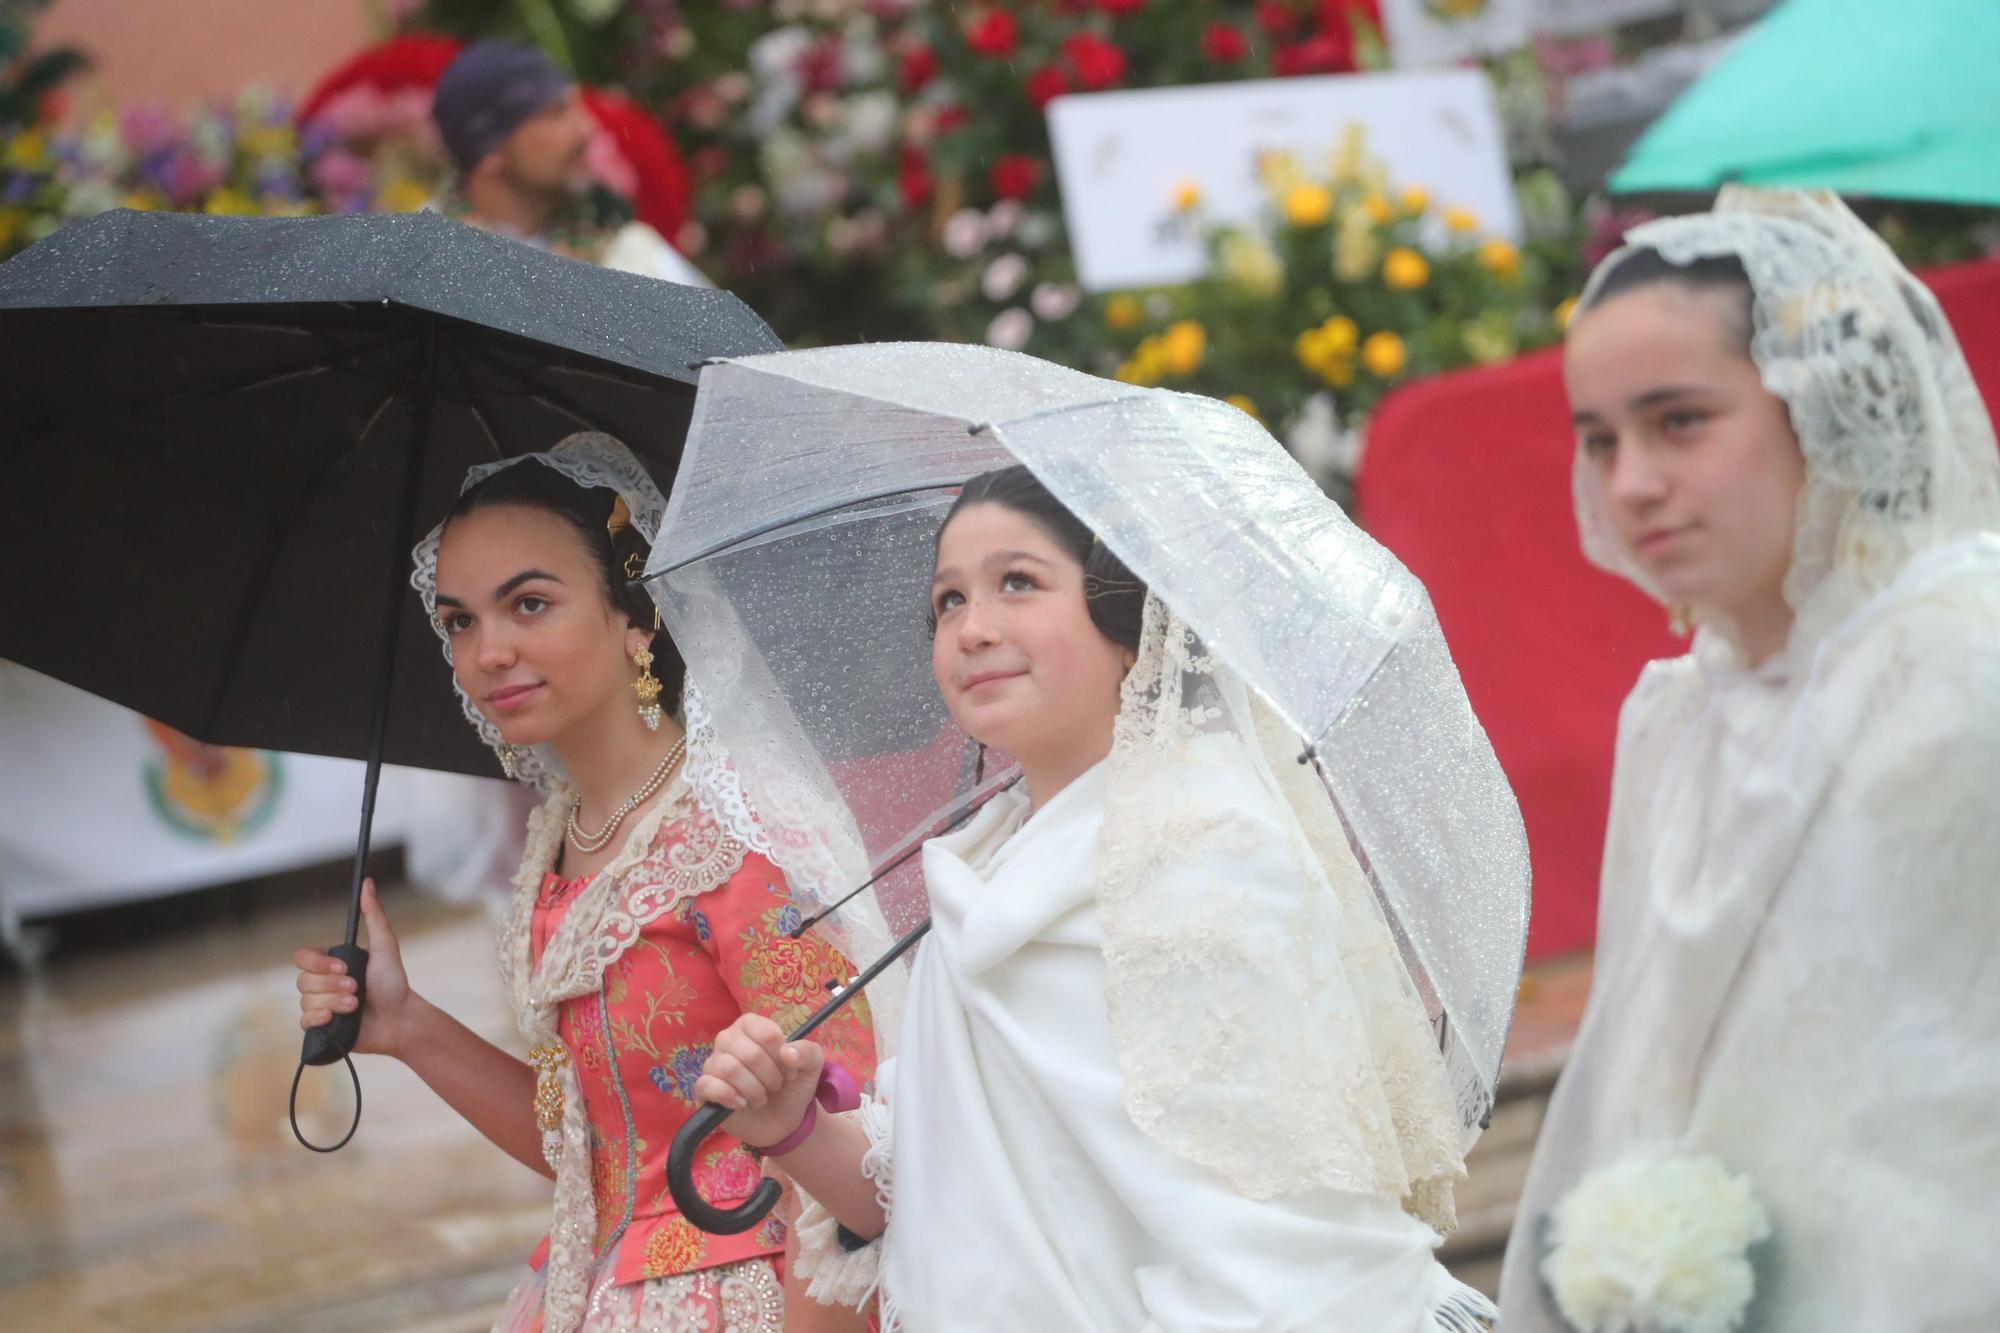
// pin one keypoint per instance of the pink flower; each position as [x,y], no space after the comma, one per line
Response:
[338,172]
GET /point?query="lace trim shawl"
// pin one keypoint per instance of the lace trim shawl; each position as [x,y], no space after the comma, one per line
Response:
[651,876]
[1311,1065]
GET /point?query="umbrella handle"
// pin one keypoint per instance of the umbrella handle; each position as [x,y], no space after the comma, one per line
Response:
[330,1042]
[680,1180]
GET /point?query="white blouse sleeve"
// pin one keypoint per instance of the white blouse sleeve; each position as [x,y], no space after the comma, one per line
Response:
[838,1275]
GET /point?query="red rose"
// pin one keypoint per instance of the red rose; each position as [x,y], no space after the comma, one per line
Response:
[1118,9]
[950,118]
[920,66]
[1098,63]
[1276,17]
[994,33]
[820,67]
[1339,15]
[1321,53]
[1045,85]
[1224,44]
[913,179]
[1016,175]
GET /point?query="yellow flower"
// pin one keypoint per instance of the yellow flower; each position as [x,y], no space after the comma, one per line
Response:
[1187,197]
[1243,404]
[1278,169]
[1490,338]
[1350,155]
[1384,355]
[1249,262]
[145,201]
[231,202]
[1356,250]
[1308,205]
[1565,312]
[268,141]
[1502,259]
[1328,351]
[1461,220]
[1147,362]
[13,221]
[1121,312]
[1183,345]
[28,151]
[1416,199]
[403,196]
[1405,270]
[1380,211]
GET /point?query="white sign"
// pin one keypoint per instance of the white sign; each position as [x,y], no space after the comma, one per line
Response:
[1424,33]
[98,806]
[1122,157]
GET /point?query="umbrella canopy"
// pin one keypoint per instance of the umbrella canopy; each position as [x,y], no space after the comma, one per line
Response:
[1847,95]
[219,432]
[794,569]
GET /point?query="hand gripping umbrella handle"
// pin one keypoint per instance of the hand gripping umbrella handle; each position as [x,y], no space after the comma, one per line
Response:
[330,1042]
[704,1122]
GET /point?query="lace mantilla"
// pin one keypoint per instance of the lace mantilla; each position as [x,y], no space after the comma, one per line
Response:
[840,1276]
[1898,445]
[1267,1027]
[592,460]
[660,866]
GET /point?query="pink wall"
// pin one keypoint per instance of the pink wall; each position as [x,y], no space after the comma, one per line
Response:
[186,51]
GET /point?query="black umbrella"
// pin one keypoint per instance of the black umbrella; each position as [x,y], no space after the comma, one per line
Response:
[220,434]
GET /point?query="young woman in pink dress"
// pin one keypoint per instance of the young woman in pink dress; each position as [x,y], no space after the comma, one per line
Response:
[647,915]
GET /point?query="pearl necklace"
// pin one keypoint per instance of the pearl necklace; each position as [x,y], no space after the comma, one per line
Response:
[588,843]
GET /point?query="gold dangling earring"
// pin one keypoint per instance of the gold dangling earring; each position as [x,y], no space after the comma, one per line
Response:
[510,762]
[647,687]
[1679,620]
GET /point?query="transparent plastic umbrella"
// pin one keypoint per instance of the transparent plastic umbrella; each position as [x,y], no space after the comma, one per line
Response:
[794,570]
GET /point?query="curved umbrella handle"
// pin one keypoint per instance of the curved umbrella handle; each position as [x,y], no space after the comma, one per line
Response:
[680,1180]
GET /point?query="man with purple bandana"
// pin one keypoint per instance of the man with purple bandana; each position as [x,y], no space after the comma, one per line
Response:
[518,135]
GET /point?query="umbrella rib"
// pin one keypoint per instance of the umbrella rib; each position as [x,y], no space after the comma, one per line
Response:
[267,565]
[242,384]
[539,392]
[765,530]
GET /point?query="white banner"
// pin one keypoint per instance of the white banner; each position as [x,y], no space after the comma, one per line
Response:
[100,806]
[1121,158]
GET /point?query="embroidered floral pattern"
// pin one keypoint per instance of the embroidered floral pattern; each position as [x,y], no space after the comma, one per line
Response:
[635,980]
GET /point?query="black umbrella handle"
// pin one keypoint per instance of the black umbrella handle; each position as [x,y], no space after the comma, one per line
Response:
[704,1122]
[716,1221]
[333,1041]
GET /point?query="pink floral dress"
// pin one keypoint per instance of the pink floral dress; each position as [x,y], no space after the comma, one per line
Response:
[694,934]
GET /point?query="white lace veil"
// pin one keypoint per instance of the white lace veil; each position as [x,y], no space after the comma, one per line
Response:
[1899,449]
[1310,1065]
[593,459]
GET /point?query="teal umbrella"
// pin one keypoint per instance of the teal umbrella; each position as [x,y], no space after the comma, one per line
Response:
[1859,96]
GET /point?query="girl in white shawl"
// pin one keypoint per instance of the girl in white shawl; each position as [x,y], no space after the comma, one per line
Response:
[1780,1106]
[1074,1134]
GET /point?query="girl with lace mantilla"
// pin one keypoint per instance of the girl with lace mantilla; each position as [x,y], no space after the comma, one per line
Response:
[1073,1134]
[1779,438]
[647,914]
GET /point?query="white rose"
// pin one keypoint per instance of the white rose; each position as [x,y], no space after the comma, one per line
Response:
[1010,329]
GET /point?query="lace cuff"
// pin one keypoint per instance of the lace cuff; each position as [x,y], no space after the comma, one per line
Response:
[838,1275]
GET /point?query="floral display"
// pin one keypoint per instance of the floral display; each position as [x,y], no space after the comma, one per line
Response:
[1352,283]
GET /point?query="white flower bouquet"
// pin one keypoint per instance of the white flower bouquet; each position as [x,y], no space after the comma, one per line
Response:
[1658,1245]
